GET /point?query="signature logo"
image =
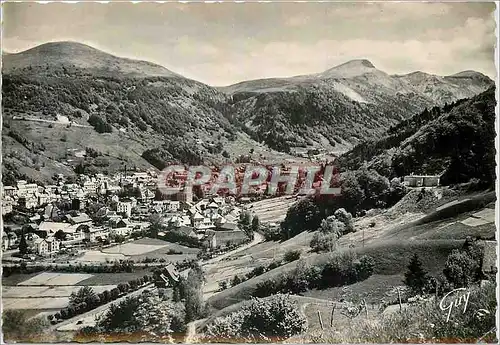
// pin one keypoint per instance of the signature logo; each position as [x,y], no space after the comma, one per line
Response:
[455,299]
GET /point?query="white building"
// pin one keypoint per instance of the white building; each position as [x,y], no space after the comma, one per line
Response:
[9,191]
[124,208]
[45,246]
[90,187]
[26,189]
[172,206]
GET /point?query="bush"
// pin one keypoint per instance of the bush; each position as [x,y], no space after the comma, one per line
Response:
[292,255]
[100,124]
[323,242]
[18,327]
[461,268]
[275,318]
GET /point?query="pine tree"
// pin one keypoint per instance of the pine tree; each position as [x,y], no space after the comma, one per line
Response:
[416,276]
[23,246]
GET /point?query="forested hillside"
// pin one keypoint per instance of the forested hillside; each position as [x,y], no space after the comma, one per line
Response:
[457,140]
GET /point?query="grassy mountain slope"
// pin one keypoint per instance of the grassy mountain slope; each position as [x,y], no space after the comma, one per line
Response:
[342,106]
[71,55]
[138,111]
[457,140]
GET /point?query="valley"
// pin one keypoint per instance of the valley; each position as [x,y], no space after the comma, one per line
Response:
[94,250]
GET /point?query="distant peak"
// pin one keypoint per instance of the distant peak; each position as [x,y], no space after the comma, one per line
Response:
[350,69]
[467,73]
[357,62]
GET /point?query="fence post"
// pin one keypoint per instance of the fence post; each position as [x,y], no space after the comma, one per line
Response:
[399,297]
[331,316]
[320,320]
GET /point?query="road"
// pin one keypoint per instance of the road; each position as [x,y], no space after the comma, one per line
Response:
[258,238]
[27,118]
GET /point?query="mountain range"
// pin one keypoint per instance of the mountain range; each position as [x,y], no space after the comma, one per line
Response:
[133,113]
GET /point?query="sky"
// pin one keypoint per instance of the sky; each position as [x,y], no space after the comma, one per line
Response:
[225,43]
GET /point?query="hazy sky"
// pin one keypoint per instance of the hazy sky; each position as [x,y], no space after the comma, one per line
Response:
[221,44]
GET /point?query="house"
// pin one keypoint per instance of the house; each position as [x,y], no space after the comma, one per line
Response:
[51,212]
[7,205]
[186,195]
[122,231]
[422,180]
[25,189]
[93,234]
[197,220]
[124,207]
[172,206]
[75,232]
[90,187]
[9,191]
[186,230]
[29,201]
[82,218]
[223,238]
[169,277]
[51,228]
[8,240]
[147,195]
[227,226]
[45,246]
[124,223]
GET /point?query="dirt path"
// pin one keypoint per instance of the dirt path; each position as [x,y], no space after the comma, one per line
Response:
[34,119]
[258,238]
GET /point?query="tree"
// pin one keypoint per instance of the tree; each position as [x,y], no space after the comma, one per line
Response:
[85,294]
[236,280]
[255,224]
[324,242]
[60,235]
[23,246]
[302,216]
[292,255]
[416,277]
[277,318]
[18,327]
[156,224]
[193,295]
[461,270]
[345,218]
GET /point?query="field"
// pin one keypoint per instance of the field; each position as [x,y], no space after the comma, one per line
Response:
[271,210]
[51,279]
[139,250]
[45,291]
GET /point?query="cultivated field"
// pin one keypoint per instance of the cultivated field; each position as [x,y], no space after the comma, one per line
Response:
[138,250]
[271,210]
[46,291]
[51,279]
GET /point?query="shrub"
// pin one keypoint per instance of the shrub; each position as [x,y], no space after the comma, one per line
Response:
[276,318]
[461,269]
[322,242]
[292,255]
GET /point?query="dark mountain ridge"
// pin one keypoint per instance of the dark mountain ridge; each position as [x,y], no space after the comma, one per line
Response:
[139,110]
[456,141]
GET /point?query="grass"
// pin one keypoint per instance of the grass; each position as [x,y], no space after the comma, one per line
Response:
[17,278]
[393,257]
[423,322]
[373,289]
[114,278]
